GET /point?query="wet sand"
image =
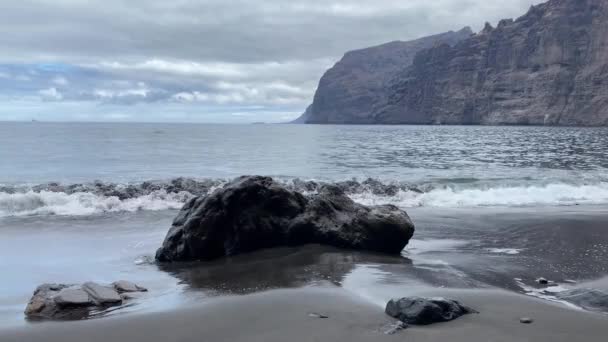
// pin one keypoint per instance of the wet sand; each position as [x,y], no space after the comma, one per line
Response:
[283,315]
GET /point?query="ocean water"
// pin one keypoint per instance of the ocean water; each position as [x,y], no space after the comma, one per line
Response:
[493,206]
[437,166]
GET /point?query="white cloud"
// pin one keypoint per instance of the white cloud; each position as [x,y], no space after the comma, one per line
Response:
[109,94]
[50,94]
[178,67]
[60,81]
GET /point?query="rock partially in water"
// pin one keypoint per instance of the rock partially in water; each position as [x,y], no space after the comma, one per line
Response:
[588,299]
[542,281]
[73,302]
[254,212]
[425,311]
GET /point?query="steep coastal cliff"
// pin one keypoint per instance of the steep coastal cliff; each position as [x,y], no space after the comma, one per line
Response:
[349,91]
[548,67]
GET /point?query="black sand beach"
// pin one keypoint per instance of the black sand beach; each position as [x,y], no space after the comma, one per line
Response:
[281,315]
[489,259]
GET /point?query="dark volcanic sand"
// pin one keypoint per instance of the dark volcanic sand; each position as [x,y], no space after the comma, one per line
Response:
[452,248]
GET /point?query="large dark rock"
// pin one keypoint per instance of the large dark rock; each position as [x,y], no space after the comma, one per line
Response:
[67,302]
[424,311]
[253,212]
[548,67]
[588,299]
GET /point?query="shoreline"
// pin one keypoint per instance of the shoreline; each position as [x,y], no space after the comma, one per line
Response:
[278,315]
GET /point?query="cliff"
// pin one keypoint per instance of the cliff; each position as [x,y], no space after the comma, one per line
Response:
[348,92]
[548,67]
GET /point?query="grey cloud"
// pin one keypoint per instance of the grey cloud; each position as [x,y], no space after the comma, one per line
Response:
[233,31]
[209,54]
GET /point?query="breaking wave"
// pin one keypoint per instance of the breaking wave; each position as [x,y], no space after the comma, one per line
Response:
[100,197]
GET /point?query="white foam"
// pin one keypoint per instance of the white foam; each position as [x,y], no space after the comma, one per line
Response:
[416,246]
[524,195]
[510,251]
[84,203]
[546,293]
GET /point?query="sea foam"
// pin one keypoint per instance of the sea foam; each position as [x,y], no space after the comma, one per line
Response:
[83,203]
[494,196]
[96,198]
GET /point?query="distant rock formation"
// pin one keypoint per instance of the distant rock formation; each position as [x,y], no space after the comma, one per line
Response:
[349,92]
[548,67]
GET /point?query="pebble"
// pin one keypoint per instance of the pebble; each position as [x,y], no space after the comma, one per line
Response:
[526,320]
[317,315]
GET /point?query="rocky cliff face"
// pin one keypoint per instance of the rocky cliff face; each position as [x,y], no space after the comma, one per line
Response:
[549,67]
[349,91]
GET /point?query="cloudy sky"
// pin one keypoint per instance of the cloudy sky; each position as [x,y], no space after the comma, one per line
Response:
[199,60]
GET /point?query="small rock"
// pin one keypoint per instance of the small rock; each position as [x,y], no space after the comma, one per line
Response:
[72,297]
[73,302]
[542,281]
[526,320]
[424,311]
[102,295]
[126,286]
[317,315]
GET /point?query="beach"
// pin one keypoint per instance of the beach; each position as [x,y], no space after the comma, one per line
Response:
[284,314]
[489,222]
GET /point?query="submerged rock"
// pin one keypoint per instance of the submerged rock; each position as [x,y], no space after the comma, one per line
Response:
[63,302]
[254,212]
[588,299]
[424,311]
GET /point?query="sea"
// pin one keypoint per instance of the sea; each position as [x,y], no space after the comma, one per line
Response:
[494,207]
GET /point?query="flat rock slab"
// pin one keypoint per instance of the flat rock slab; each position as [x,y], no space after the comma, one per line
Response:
[75,302]
[424,311]
[73,297]
[102,295]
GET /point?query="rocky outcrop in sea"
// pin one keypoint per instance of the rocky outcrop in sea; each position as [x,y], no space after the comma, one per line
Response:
[254,212]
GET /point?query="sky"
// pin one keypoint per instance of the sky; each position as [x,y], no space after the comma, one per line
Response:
[226,61]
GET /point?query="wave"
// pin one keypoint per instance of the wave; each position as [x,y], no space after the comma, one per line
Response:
[496,196]
[100,197]
[83,203]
